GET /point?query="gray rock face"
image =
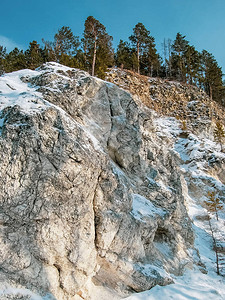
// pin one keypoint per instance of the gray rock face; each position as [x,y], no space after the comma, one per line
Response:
[90,196]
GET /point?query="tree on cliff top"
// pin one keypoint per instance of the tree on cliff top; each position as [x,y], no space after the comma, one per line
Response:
[63,48]
[65,42]
[15,60]
[139,38]
[2,57]
[97,45]
[179,48]
[212,76]
[125,56]
[33,55]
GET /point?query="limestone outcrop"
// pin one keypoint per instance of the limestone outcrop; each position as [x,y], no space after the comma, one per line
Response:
[91,200]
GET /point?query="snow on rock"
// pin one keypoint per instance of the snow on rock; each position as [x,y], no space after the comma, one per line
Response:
[19,292]
[201,162]
[13,91]
[152,271]
[167,127]
[143,208]
[192,286]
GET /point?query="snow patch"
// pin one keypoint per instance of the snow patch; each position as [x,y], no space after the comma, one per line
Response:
[19,292]
[167,127]
[192,286]
[142,208]
[15,92]
[152,271]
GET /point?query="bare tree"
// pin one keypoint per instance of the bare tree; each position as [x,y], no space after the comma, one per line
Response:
[213,204]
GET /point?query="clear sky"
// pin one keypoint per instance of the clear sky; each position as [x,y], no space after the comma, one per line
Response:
[202,21]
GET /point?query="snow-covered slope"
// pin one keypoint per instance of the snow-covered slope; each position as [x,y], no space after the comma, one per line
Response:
[197,158]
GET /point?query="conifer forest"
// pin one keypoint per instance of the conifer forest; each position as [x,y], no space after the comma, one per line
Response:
[94,53]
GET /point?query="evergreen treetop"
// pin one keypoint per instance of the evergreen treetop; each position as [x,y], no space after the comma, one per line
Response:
[65,42]
[144,44]
[97,44]
[125,56]
[2,58]
[33,55]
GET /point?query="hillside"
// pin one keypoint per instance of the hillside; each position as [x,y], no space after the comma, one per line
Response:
[102,189]
[170,98]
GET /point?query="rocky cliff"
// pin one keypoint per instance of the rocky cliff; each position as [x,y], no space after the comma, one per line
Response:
[92,199]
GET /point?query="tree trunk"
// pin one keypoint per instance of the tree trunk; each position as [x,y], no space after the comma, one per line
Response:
[151,70]
[210,92]
[57,51]
[94,57]
[216,209]
[85,57]
[215,248]
[211,104]
[169,53]
[165,57]
[170,69]
[138,58]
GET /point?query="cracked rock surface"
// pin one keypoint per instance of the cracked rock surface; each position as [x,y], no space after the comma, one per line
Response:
[91,200]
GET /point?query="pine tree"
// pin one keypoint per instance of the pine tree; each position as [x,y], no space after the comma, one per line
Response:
[219,134]
[79,60]
[33,56]
[15,60]
[150,59]
[213,205]
[139,38]
[97,45]
[64,49]
[104,60]
[48,53]
[215,248]
[178,61]
[125,56]
[192,64]
[65,43]
[212,76]
[2,59]
[167,51]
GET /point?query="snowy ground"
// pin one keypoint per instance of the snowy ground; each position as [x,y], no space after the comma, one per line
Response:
[194,285]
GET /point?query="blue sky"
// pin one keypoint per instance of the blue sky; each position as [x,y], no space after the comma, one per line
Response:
[202,21]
